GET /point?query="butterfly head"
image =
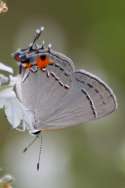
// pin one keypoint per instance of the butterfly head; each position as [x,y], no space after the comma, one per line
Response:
[33,56]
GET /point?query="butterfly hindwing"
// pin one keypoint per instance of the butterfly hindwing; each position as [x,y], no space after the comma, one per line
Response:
[89,98]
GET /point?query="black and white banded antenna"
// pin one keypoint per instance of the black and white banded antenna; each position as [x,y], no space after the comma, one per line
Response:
[38,33]
[40,152]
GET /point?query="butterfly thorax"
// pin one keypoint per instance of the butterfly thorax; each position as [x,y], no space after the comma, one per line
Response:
[32,60]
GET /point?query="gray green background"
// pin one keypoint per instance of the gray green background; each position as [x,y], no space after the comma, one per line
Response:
[92,33]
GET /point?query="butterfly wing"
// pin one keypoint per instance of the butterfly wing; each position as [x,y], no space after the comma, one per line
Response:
[42,91]
[89,98]
[60,96]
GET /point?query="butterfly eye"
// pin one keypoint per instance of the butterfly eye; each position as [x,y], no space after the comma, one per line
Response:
[17,58]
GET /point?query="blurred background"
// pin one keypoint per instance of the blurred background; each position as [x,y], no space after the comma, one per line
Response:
[92,33]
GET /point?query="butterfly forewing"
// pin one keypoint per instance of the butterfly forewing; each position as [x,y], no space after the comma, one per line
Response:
[42,91]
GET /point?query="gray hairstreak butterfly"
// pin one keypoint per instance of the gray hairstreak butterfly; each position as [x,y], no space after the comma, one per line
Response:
[49,93]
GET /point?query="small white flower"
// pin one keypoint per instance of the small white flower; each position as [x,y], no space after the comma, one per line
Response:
[17,114]
[6,68]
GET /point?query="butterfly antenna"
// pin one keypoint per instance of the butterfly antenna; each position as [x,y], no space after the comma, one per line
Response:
[36,37]
[40,151]
[31,143]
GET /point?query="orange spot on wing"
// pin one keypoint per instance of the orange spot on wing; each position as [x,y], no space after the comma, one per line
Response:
[42,63]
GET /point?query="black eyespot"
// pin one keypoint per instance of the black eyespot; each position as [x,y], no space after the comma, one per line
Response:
[36,133]
[43,57]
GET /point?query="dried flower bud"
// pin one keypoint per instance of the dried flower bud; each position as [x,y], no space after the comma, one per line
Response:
[3,7]
[6,181]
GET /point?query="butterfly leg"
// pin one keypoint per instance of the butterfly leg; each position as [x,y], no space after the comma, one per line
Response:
[33,141]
